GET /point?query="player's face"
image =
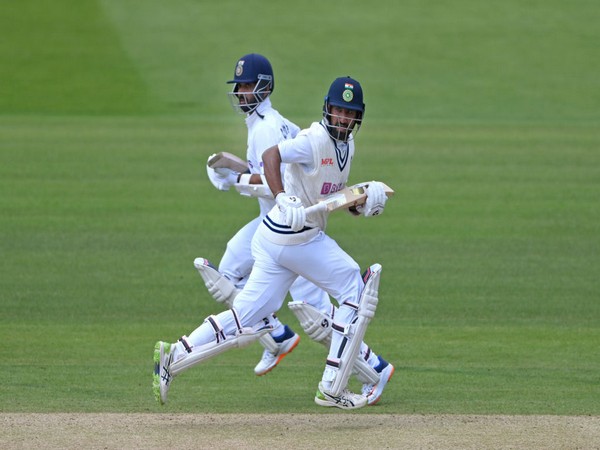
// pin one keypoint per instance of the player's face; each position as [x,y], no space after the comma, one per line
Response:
[245,95]
[344,116]
[342,121]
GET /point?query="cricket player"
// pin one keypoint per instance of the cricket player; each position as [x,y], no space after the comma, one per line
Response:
[289,244]
[253,83]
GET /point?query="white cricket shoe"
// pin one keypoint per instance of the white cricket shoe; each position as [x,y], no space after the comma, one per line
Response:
[373,392]
[270,360]
[346,400]
[161,380]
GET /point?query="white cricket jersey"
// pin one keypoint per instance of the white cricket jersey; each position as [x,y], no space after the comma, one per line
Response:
[317,165]
[266,128]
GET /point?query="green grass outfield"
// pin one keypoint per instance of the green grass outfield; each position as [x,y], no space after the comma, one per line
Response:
[484,117]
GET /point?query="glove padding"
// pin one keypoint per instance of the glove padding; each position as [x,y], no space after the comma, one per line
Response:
[222,178]
[292,209]
[376,199]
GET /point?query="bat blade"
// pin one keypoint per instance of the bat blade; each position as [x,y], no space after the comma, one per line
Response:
[228,160]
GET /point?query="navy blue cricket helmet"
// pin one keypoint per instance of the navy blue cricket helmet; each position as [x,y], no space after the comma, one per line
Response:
[252,68]
[344,92]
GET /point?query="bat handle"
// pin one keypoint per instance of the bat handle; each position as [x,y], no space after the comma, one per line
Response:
[317,207]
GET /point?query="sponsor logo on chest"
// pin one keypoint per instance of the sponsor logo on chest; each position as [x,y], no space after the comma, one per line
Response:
[331,188]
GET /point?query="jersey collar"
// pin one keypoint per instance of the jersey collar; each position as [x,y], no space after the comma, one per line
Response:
[260,111]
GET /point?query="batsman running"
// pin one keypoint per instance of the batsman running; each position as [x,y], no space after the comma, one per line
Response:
[288,244]
[253,83]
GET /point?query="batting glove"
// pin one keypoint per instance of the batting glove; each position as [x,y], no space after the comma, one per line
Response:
[376,199]
[222,178]
[292,209]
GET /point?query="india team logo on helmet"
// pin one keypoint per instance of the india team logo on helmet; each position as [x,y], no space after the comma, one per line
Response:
[348,95]
[239,69]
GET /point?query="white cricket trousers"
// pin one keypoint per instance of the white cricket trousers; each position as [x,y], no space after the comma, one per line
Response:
[237,261]
[320,260]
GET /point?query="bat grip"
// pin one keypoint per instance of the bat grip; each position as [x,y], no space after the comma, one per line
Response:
[317,207]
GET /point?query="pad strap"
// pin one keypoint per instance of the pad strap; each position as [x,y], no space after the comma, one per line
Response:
[236,318]
[185,343]
[217,327]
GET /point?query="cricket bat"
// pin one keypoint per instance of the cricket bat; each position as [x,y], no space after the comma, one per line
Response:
[228,160]
[345,198]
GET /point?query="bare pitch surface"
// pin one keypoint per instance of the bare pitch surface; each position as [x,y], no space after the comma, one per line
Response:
[297,431]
